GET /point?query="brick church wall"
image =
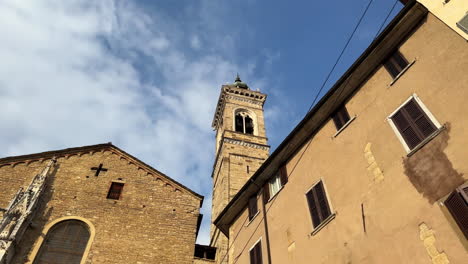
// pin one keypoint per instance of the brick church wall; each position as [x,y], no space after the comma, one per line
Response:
[155,220]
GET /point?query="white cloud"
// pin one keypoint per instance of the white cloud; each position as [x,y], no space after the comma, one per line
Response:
[82,72]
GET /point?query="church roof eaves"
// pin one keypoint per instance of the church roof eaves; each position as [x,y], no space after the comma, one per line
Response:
[68,151]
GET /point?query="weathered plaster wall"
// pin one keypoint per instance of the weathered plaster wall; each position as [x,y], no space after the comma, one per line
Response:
[366,171]
[153,222]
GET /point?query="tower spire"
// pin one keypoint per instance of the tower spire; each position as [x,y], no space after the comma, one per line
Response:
[239,84]
[238,79]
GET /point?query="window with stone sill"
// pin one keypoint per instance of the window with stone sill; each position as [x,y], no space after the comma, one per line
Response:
[319,207]
[395,64]
[414,124]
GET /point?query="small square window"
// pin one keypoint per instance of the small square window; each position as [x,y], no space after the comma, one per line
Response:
[395,64]
[318,204]
[253,208]
[413,123]
[256,254]
[340,117]
[115,190]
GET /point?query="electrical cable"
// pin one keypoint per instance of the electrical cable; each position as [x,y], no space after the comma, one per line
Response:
[341,54]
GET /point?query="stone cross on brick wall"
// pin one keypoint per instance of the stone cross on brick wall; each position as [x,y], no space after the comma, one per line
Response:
[98,169]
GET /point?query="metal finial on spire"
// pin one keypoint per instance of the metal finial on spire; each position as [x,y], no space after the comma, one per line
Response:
[238,79]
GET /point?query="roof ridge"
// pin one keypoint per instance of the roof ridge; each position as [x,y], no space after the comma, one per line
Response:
[63,153]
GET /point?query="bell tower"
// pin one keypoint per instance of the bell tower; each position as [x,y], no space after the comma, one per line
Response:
[241,148]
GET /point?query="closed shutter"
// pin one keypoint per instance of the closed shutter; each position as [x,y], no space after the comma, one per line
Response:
[395,64]
[252,207]
[458,207]
[313,208]
[266,192]
[283,175]
[115,191]
[256,254]
[340,117]
[413,124]
[318,204]
[322,201]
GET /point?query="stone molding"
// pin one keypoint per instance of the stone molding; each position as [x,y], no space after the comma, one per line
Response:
[246,100]
[246,144]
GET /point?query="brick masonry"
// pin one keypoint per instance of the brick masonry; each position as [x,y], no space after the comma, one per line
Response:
[155,220]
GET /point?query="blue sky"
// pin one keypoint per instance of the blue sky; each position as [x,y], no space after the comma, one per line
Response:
[146,75]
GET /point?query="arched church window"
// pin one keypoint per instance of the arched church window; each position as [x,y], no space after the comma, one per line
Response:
[64,243]
[244,123]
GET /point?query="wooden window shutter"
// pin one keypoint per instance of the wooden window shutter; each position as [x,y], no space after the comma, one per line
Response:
[256,254]
[318,204]
[395,64]
[313,208]
[458,208]
[253,208]
[266,192]
[322,201]
[259,252]
[283,175]
[340,117]
[115,191]
[413,124]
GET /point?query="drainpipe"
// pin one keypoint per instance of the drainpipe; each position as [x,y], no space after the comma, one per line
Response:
[267,237]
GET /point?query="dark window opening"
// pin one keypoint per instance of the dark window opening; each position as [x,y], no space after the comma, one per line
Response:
[205,252]
[395,64]
[318,204]
[253,208]
[244,123]
[249,126]
[239,123]
[457,205]
[413,124]
[64,243]
[340,117]
[256,254]
[115,191]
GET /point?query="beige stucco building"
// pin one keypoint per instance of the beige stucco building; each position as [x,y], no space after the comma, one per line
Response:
[376,172]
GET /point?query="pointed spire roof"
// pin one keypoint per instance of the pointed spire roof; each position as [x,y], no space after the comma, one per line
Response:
[239,84]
